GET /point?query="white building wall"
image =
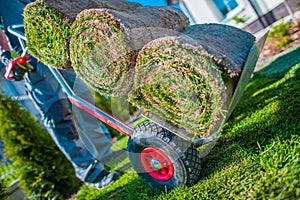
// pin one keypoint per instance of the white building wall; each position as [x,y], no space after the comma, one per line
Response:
[267,5]
[200,11]
[204,11]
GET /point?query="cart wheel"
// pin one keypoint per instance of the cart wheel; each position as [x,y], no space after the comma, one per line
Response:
[161,158]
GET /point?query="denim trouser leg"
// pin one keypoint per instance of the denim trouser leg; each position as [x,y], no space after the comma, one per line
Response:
[96,136]
[47,94]
[64,134]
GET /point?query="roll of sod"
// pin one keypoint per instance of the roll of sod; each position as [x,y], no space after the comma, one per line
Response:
[47,26]
[104,43]
[47,35]
[188,81]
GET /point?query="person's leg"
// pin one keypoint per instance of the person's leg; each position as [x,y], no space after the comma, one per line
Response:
[46,93]
[94,133]
[62,130]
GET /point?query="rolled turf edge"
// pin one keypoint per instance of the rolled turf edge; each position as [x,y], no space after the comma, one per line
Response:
[187,81]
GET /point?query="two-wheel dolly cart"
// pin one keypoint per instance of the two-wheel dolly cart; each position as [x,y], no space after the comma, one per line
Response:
[161,157]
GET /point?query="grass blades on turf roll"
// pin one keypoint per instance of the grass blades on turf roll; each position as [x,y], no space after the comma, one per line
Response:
[104,43]
[188,80]
[47,26]
[47,35]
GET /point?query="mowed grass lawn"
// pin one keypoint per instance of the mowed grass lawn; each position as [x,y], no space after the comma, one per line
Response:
[257,155]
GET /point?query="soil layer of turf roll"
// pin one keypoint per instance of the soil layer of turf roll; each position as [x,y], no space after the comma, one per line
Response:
[188,80]
[104,43]
[47,26]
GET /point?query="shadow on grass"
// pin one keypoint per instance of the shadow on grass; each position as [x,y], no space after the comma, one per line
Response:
[270,109]
[276,69]
[281,64]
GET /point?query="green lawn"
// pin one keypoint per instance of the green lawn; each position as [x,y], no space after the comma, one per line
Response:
[257,155]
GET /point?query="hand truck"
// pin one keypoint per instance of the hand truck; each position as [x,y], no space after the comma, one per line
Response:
[160,156]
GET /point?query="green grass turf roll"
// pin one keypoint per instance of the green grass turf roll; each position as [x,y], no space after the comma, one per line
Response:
[188,80]
[104,43]
[47,26]
[47,35]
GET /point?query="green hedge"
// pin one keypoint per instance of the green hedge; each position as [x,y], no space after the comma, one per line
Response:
[44,171]
[3,189]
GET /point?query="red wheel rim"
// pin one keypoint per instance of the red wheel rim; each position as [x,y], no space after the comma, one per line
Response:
[157,164]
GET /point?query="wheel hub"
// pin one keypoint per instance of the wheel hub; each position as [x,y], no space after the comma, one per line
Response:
[157,164]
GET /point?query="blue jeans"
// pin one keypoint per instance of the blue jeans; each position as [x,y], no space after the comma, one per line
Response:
[82,138]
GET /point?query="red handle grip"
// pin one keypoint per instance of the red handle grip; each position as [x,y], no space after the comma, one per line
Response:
[22,60]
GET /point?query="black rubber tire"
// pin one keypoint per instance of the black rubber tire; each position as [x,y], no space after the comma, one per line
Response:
[182,154]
